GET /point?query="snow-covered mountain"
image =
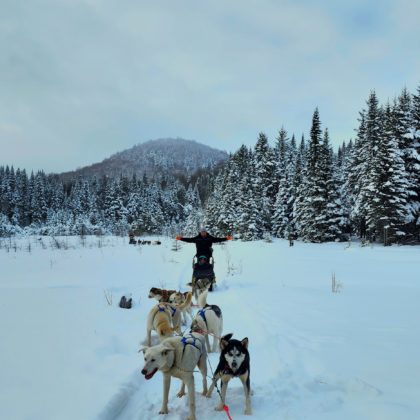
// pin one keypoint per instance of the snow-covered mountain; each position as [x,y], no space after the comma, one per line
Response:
[177,156]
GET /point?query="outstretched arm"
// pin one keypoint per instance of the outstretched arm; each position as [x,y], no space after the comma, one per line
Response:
[226,238]
[191,240]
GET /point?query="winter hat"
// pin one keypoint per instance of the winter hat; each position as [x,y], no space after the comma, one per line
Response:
[203,228]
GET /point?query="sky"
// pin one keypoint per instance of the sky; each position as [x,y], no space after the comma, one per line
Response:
[83,79]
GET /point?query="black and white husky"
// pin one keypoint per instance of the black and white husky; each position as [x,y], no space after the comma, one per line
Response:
[209,319]
[233,363]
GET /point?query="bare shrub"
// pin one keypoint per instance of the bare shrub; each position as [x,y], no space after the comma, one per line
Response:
[108,297]
[336,286]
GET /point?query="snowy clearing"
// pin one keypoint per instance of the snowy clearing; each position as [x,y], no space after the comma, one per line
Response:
[66,354]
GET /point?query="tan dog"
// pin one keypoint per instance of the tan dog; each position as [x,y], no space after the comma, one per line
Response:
[178,298]
[161,295]
[177,357]
[165,319]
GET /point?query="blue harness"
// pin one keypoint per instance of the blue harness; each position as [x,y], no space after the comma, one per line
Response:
[163,309]
[202,313]
[193,343]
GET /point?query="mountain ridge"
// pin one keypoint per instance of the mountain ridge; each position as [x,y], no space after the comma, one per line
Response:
[177,156]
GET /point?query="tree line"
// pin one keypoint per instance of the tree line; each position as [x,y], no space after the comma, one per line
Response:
[44,204]
[369,188]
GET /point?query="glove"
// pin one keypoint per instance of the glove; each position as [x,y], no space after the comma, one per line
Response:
[229,238]
[178,237]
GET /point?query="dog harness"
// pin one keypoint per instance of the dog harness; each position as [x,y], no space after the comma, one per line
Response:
[185,342]
[202,313]
[214,308]
[163,309]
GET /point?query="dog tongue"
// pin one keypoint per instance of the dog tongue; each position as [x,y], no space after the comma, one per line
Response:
[150,375]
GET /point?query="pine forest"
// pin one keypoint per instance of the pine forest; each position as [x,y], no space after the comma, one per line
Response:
[289,187]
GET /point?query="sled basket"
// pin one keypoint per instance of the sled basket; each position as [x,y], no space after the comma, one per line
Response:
[203,272]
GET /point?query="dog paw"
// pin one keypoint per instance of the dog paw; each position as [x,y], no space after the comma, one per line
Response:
[180,394]
[248,412]
[163,411]
[208,394]
[219,407]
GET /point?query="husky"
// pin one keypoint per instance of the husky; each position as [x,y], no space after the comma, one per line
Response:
[199,286]
[178,357]
[165,319]
[178,298]
[161,295]
[233,363]
[208,319]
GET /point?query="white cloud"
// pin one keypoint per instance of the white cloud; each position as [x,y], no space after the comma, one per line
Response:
[84,79]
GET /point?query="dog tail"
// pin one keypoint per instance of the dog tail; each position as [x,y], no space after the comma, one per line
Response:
[186,303]
[202,299]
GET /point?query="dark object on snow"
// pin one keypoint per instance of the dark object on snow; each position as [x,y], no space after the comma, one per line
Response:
[126,303]
[132,239]
[156,242]
[291,239]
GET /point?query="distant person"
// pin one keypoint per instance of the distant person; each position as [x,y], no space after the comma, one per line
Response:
[203,242]
[132,237]
[291,238]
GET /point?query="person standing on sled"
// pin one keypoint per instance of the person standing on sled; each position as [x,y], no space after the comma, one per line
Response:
[203,242]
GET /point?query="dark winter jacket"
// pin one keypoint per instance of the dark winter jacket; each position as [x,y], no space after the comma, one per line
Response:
[204,244]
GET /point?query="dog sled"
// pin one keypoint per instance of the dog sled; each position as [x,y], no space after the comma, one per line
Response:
[203,273]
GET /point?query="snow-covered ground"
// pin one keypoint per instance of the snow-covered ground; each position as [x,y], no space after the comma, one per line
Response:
[65,353]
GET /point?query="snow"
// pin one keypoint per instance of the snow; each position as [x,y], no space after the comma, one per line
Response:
[66,354]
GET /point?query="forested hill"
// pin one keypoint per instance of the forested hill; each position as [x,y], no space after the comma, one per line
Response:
[155,157]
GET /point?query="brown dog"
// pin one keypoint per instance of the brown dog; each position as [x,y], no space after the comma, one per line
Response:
[178,298]
[161,295]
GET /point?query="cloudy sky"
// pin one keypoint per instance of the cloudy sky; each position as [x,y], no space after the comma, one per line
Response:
[82,79]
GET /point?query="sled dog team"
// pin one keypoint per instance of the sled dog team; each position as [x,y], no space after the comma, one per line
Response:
[178,356]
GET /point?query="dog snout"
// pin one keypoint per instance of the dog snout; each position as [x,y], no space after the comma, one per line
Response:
[144,371]
[234,364]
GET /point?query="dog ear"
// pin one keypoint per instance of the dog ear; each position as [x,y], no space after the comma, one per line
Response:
[194,324]
[166,350]
[143,349]
[244,342]
[224,341]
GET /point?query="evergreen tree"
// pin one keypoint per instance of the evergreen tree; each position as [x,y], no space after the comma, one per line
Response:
[388,210]
[367,148]
[414,169]
[310,213]
[282,221]
[264,187]
[335,222]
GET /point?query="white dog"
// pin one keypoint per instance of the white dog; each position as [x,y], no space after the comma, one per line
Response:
[209,319]
[177,357]
[165,319]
